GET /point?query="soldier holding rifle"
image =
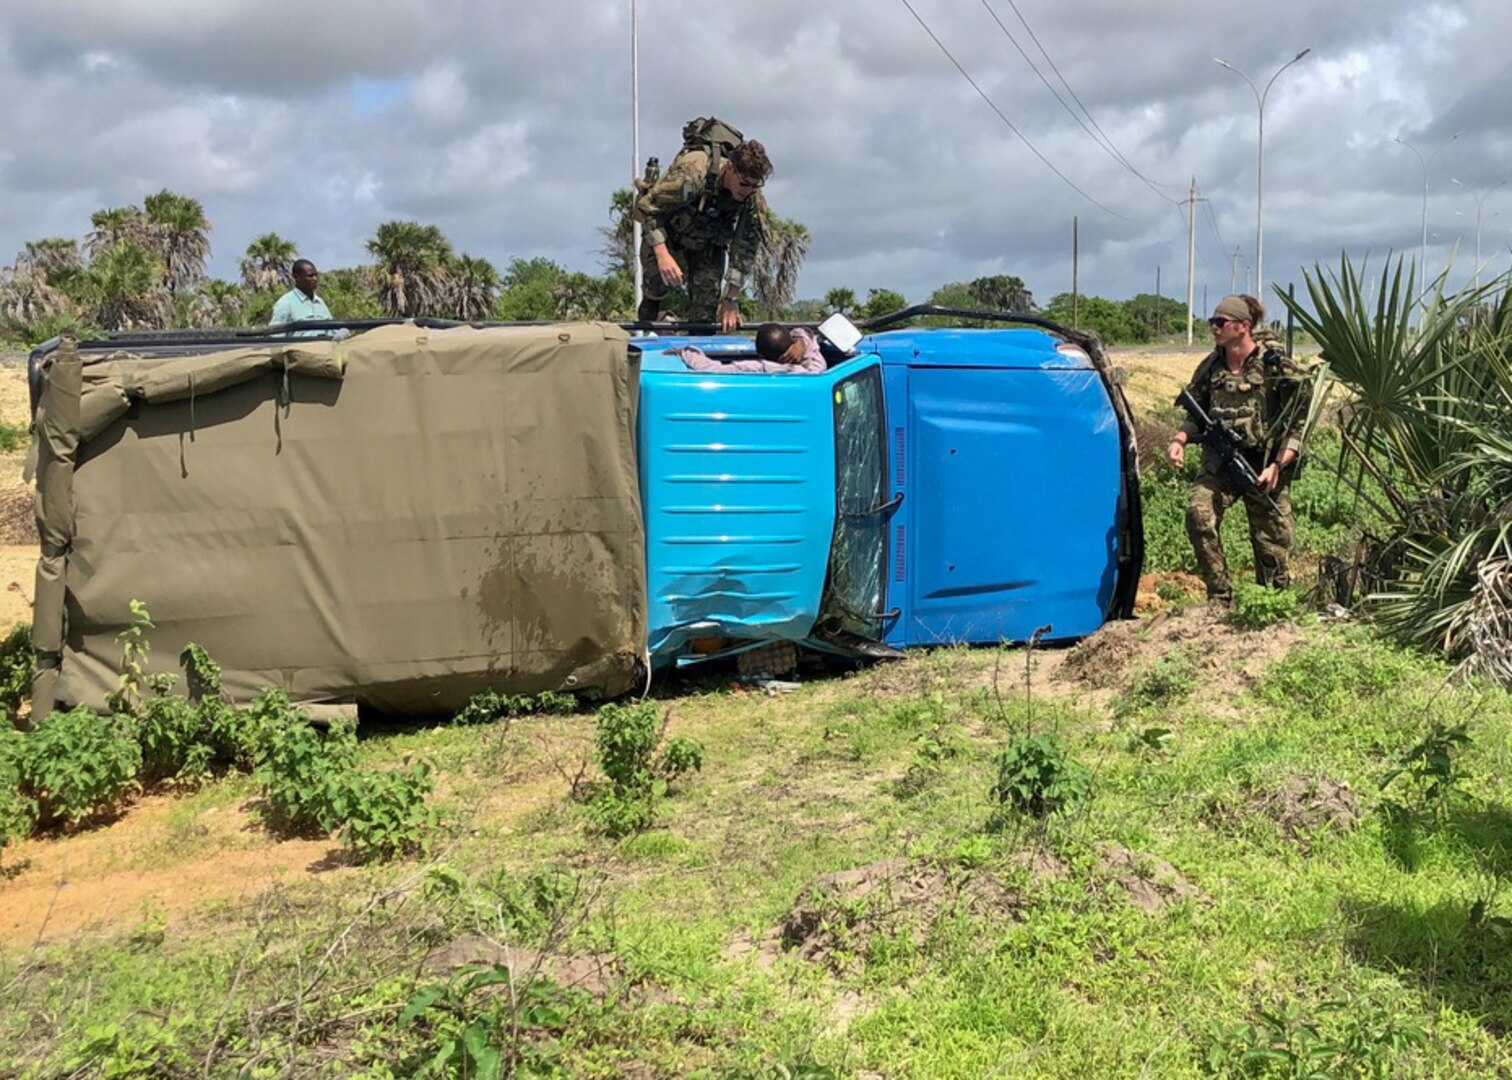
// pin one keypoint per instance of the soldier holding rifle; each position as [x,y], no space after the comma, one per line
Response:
[1249,414]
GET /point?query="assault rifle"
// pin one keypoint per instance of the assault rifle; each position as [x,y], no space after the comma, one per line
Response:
[1223,441]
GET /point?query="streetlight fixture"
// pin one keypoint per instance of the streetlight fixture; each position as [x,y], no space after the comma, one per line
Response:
[1260,96]
[1480,201]
[1425,161]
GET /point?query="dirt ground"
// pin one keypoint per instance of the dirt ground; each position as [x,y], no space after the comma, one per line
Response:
[18,528]
[159,861]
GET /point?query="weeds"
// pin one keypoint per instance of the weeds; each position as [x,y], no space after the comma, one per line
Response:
[302,771]
[1325,677]
[1167,682]
[1433,769]
[383,815]
[1037,776]
[1365,1040]
[1259,606]
[16,660]
[637,779]
[490,706]
[78,765]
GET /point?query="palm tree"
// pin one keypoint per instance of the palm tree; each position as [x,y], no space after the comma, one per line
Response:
[269,263]
[218,303]
[178,233]
[619,236]
[125,287]
[109,227]
[775,277]
[1429,415]
[581,296]
[26,297]
[412,267]
[1002,292]
[474,288]
[840,299]
[54,257]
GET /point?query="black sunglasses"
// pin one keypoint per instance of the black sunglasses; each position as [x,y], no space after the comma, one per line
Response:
[1218,322]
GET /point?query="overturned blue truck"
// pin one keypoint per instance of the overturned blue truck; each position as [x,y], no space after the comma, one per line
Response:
[404,514]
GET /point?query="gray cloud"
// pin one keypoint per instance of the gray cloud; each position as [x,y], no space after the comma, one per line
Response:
[508,126]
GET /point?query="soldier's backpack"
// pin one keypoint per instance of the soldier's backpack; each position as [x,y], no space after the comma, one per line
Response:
[714,137]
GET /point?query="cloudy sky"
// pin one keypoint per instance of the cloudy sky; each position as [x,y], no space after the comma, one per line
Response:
[508,124]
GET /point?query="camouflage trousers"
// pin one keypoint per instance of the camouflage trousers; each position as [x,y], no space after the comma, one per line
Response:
[703,273]
[1270,530]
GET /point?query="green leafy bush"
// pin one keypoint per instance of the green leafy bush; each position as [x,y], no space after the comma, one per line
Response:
[627,738]
[18,810]
[1257,606]
[79,765]
[1038,776]
[383,814]
[302,771]
[171,733]
[489,706]
[1434,767]
[16,661]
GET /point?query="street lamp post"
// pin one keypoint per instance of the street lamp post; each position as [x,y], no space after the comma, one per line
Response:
[1425,162]
[1480,202]
[1260,96]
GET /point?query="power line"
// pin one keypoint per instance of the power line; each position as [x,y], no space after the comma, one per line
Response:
[1003,117]
[1213,225]
[1098,136]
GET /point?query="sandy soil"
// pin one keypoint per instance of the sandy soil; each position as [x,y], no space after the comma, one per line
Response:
[18,528]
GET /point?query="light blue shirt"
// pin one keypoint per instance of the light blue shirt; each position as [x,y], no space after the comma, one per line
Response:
[295,306]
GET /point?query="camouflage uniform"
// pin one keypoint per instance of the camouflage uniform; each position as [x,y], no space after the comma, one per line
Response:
[699,220]
[1264,403]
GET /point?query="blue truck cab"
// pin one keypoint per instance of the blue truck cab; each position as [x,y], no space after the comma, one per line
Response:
[932,486]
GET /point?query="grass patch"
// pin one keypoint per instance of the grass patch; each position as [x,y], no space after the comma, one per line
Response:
[1159,922]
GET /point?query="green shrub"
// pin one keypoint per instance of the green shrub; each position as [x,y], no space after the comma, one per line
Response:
[18,810]
[626,738]
[79,765]
[1037,776]
[16,662]
[171,733]
[489,706]
[232,735]
[383,814]
[1257,606]
[202,675]
[302,772]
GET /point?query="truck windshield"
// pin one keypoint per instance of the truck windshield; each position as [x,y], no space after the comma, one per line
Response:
[854,586]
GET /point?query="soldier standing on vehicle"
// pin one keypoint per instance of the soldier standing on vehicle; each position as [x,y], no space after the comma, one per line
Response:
[704,223]
[1257,391]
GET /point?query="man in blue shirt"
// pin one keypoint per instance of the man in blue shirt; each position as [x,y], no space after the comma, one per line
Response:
[300,302]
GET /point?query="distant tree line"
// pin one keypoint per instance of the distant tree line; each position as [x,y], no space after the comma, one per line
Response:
[141,267]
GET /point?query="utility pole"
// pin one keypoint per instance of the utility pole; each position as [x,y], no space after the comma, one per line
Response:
[1260,96]
[1075,324]
[1234,270]
[1191,254]
[1157,300]
[635,161]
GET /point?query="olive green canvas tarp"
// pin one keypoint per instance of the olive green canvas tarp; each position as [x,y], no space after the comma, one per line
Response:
[402,519]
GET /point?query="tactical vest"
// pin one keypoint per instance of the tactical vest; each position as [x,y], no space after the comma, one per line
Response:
[1249,401]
